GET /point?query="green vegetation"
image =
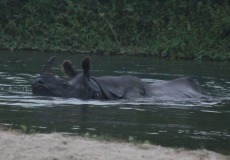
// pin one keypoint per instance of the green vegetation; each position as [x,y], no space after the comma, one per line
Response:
[197,29]
[18,128]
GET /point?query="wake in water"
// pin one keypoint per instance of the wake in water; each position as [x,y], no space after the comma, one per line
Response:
[25,99]
[19,94]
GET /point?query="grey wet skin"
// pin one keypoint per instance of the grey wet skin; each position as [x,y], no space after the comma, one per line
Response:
[84,86]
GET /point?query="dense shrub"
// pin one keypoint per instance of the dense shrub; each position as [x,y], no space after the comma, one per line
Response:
[197,29]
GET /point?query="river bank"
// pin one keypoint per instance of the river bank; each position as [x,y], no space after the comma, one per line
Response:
[56,146]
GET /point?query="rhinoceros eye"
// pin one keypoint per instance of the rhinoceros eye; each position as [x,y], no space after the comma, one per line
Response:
[63,83]
[80,86]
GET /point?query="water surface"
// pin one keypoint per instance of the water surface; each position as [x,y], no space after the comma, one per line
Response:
[201,123]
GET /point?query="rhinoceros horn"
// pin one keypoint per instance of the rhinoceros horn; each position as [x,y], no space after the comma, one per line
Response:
[47,68]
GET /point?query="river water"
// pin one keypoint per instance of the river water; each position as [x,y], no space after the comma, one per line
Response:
[202,123]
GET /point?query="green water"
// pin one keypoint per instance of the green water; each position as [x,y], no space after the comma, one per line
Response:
[202,123]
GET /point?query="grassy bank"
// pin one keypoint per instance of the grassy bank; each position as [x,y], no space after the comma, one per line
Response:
[197,29]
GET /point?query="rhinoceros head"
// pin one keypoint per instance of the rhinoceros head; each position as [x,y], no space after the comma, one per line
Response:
[79,86]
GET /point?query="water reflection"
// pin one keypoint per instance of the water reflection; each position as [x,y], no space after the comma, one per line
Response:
[170,122]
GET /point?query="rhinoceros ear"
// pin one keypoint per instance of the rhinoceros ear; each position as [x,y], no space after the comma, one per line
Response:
[68,69]
[86,66]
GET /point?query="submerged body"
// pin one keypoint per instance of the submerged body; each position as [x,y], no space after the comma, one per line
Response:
[83,86]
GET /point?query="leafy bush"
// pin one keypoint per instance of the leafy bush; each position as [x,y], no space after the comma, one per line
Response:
[197,29]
